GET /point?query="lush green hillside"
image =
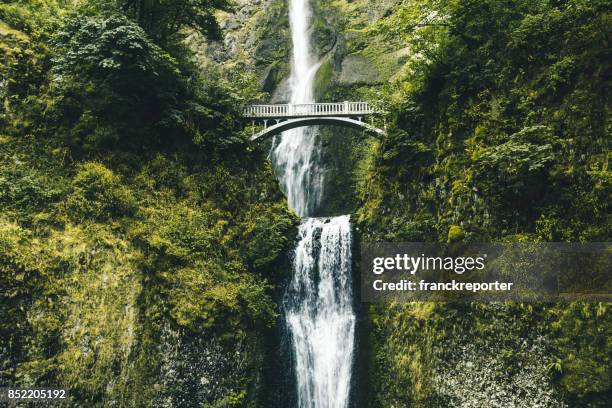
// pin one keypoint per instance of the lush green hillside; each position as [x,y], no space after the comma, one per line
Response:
[498,120]
[498,130]
[141,237]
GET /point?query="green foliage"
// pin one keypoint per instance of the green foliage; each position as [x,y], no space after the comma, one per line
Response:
[102,83]
[184,232]
[136,223]
[267,236]
[583,352]
[164,19]
[97,102]
[323,79]
[517,157]
[501,113]
[203,257]
[110,49]
[497,130]
[24,187]
[22,66]
[141,238]
[414,343]
[455,233]
[122,257]
[17,279]
[37,18]
[205,298]
[98,194]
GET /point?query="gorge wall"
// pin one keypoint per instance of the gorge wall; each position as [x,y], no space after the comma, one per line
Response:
[142,239]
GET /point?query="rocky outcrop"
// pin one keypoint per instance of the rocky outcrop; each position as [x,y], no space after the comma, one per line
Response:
[357,69]
[256,34]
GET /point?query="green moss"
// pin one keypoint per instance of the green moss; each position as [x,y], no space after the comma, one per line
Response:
[127,267]
[116,256]
[98,194]
[323,79]
[455,233]
[489,151]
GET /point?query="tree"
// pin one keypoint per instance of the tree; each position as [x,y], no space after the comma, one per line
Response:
[164,19]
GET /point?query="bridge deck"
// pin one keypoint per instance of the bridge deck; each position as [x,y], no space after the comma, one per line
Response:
[288,111]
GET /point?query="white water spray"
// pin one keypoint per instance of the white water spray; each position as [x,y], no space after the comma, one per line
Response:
[318,303]
[319,313]
[295,155]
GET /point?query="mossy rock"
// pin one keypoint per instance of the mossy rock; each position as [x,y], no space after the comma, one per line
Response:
[455,233]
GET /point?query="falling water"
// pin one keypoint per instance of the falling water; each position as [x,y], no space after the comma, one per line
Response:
[319,313]
[295,155]
[318,303]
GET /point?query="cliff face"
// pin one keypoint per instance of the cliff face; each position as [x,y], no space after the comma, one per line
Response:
[257,35]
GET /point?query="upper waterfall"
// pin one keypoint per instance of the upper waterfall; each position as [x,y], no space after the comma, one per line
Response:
[297,151]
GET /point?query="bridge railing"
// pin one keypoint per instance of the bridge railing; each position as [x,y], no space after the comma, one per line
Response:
[309,109]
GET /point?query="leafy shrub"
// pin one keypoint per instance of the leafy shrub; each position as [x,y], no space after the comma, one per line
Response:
[206,297]
[110,48]
[97,194]
[22,187]
[165,20]
[112,84]
[267,236]
[23,63]
[185,233]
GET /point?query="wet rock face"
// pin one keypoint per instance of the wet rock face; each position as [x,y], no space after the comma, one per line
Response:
[357,69]
[257,33]
[380,8]
[201,371]
[236,38]
[280,94]
[338,35]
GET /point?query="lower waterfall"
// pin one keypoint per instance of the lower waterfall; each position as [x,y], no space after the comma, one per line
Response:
[319,313]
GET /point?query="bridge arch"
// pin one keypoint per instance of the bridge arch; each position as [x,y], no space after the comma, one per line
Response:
[315,121]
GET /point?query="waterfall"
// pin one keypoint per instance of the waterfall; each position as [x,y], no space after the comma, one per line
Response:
[295,155]
[318,302]
[319,313]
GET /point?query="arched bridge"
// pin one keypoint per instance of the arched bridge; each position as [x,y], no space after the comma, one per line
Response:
[291,116]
